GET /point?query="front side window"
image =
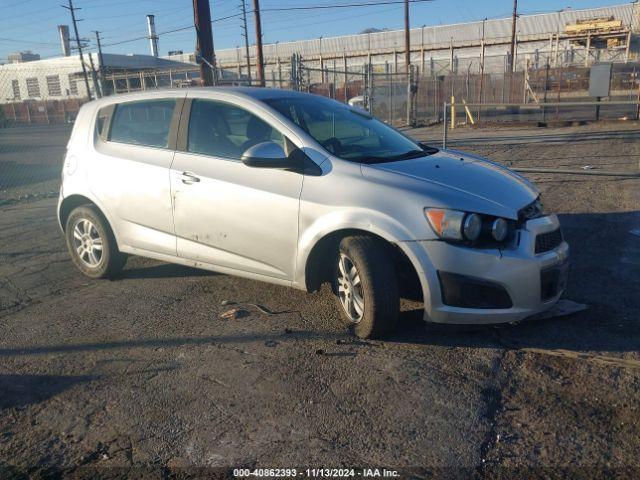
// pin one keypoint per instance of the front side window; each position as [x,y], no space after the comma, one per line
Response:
[346,132]
[224,130]
[146,122]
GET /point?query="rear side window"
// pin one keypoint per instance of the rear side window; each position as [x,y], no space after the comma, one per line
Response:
[223,130]
[143,123]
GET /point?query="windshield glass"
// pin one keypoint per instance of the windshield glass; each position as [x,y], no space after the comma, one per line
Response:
[347,133]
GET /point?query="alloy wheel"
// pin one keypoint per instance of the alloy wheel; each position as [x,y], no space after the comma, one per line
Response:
[87,242]
[350,290]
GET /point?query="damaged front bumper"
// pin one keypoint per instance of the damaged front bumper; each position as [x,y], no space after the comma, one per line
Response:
[464,285]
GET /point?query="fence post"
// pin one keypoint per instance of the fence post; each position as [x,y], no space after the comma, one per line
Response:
[292,74]
[546,86]
[410,97]
[346,77]
[371,88]
[332,90]
[392,91]
[444,126]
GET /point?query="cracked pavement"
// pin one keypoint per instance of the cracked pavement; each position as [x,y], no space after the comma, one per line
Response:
[141,374]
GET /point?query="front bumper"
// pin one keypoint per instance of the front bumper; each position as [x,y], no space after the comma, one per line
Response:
[518,270]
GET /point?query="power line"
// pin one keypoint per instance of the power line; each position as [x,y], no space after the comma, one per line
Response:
[180,29]
[340,5]
[3,39]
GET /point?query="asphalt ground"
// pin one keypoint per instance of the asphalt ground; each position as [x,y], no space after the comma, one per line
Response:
[140,376]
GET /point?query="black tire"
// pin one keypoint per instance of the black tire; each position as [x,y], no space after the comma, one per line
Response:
[378,286]
[111,260]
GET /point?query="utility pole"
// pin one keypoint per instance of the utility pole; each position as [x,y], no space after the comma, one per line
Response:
[259,59]
[204,42]
[75,29]
[94,77]
[99,47]
[513,36]
[407,39]
[101,69]
[246,38]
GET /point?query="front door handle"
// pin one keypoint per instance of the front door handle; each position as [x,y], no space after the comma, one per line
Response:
[189,178]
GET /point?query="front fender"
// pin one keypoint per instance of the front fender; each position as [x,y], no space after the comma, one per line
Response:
[364,220]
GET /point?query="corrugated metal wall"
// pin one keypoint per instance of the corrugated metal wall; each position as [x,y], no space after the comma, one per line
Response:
[530,27]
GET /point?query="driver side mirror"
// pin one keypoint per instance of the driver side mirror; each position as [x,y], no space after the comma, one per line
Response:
[266,155]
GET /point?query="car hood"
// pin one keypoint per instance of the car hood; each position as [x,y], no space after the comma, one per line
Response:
[458,180]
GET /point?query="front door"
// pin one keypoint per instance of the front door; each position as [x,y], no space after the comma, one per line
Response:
[226,213]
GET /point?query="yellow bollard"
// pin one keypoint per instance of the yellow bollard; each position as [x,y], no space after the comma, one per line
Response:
[453,112]
[466,109]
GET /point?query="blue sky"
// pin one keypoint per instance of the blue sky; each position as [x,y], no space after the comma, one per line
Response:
[32,24]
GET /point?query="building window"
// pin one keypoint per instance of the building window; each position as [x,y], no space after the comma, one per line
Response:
[15,85]
[33,87]
[73,85]
[53,85]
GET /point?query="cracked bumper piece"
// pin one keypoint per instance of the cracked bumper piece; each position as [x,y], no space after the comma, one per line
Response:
[464,285]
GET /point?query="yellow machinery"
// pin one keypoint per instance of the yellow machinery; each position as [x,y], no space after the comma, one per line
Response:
[595,28]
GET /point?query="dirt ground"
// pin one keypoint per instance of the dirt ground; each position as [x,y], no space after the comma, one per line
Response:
[140,376]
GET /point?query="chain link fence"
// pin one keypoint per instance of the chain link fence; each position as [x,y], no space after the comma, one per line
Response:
[33,94]
[481,88]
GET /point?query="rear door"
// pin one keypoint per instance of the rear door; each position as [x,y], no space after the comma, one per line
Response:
[135,144]
[226,213]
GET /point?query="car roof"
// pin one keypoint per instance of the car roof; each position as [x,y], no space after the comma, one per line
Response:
[258,93]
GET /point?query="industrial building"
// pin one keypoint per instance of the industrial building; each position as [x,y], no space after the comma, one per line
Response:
[62,77]
[566,37]
[51,90]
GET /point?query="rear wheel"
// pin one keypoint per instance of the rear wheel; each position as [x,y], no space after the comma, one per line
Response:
[91,243]
[366,286]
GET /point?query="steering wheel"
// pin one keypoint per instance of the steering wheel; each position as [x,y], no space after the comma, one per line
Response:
[333,145]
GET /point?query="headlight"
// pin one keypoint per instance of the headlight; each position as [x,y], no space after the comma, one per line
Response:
[499,229]
[446,223]
[472,226]
[467,226]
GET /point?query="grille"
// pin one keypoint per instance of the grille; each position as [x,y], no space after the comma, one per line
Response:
[548,241]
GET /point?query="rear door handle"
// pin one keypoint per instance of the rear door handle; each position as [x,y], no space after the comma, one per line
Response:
[189,178]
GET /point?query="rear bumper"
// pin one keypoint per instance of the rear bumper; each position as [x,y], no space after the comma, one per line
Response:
[519,271]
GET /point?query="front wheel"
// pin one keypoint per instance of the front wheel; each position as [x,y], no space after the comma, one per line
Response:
[91,243]
[366,286]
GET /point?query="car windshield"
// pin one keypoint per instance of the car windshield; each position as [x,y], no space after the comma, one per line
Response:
[346,132]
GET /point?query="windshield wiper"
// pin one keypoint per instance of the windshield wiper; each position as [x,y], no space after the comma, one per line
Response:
[403,156]
[410,154]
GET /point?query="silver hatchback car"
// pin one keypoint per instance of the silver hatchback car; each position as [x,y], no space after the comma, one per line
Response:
[299,190]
